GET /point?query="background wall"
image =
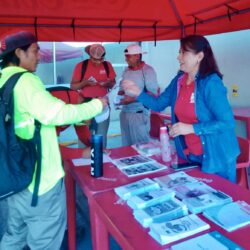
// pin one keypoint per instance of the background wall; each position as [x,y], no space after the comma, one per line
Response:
[232,51]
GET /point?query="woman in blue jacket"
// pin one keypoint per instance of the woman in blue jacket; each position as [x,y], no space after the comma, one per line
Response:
[203,122]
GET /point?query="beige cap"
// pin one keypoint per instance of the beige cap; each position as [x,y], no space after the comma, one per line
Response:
[96,51]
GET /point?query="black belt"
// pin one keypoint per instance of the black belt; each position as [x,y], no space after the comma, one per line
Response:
[140,111]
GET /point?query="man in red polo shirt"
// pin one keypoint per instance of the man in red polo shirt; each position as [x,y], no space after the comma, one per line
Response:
[93,78]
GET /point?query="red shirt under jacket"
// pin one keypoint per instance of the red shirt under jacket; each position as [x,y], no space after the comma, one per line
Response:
[185,112]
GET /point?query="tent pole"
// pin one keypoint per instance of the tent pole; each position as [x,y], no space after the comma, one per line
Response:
[54,63]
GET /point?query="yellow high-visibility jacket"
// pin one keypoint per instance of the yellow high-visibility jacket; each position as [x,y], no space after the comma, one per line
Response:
[32,101]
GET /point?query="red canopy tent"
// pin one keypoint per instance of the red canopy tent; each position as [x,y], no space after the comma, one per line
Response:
[123,20]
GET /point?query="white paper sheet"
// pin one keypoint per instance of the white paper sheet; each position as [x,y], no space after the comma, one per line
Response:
[86,162]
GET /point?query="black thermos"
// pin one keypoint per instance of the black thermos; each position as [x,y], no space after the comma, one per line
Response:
[96,156]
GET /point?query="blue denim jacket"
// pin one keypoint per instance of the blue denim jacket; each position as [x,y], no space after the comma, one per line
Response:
[215,124]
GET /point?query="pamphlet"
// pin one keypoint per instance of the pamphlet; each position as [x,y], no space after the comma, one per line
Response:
[132,161]
[193,189]
[103,116]
[150,198]
[209,241]
[175,179]
[230,216]
[161,212]
[92,79]
[137,187]
[138,165]
[151,148]
[145,168]
[180,228]
[200,203]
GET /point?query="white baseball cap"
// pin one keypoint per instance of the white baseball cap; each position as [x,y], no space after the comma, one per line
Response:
[133,49]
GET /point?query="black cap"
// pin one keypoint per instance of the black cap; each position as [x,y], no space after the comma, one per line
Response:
[16,40]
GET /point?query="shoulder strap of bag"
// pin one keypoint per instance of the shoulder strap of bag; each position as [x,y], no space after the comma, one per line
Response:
[37,142]
[106,67]
[85,65]
[8,87]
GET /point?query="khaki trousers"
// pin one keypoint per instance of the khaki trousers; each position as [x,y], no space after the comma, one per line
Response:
[41,227]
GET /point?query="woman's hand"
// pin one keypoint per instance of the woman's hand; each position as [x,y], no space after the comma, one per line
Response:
[130,88]
[181,128]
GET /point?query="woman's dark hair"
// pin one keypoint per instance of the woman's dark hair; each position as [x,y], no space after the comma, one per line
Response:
[196,44]
[12,58]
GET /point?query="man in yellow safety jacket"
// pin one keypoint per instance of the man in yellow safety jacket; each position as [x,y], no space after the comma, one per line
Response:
[43,226]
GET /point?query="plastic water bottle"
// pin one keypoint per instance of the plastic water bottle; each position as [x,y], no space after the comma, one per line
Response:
[174,156]
[96,156]
[165,145]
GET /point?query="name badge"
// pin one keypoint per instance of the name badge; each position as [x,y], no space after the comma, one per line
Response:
[192,98]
